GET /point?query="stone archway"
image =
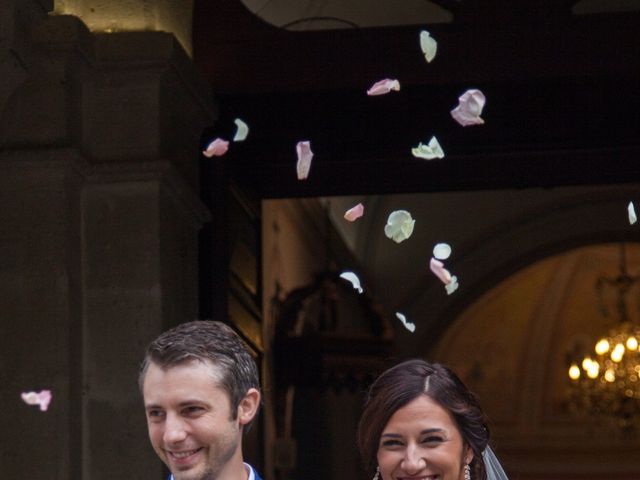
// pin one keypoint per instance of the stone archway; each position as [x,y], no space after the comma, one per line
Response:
[493,234]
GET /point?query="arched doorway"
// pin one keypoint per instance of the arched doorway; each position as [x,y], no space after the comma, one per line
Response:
[512,345]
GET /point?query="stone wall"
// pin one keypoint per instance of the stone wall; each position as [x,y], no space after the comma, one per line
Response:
[99,139]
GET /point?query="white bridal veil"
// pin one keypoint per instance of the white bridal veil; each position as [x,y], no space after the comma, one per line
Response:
[492,465]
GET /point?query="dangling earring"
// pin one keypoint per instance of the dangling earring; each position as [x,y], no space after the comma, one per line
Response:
[467,472]
[377,475]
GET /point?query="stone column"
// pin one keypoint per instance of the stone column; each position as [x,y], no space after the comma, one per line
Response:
[99,220]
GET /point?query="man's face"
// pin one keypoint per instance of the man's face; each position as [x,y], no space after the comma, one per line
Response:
[190,421]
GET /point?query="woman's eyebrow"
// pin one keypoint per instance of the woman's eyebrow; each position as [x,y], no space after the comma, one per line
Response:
[423,432]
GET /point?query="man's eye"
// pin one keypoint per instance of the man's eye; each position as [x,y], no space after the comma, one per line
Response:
[193,410]
[154,414]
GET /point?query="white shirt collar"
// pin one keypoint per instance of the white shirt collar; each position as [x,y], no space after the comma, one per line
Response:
[252,475]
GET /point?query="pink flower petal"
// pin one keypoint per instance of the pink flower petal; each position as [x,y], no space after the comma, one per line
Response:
[42,399]
[437,267]
[383,86]
[305,155]
[216,148]
[354,213]
[469,108]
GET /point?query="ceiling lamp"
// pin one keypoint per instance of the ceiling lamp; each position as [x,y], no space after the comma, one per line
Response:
[606,381]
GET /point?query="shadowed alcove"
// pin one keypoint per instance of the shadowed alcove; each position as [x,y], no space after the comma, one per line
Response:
[527,262]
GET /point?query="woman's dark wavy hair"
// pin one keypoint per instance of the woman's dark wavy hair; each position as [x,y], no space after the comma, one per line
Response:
[403,383]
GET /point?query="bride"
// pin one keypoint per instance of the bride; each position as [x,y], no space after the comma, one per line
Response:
[421,421]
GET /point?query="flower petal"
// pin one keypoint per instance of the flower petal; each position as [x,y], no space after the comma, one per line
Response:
[354,213]
[436,148]
[430,151]
[632,213]
[452,286]
[437,267]
[469,109]
[399,226]
[407,229]
[216,148]
[383,86]
[303,149]
[428,45]
[42,399]
[442,251]
[353,278]
[241,132]
[408,325]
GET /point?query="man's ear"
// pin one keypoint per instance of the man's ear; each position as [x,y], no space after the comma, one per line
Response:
[248,406]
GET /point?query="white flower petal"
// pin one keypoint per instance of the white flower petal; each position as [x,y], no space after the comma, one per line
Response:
[452,286]
[242,131]
[354,213]
[303,149]
[632,213]
[353,279]
[408,325]
[399,226]
[428,45]
[407,229]
[430,151]
[421,151]
[442,251]
[436,148]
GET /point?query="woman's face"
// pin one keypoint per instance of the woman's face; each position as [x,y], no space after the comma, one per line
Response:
[422,442]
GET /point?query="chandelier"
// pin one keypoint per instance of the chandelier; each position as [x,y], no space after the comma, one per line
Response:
[606,381]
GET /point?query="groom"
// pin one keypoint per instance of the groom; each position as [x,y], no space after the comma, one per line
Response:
[201,391]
